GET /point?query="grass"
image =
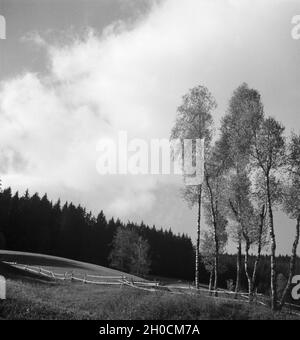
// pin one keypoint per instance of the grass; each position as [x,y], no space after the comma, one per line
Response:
[59,265]
[34,297]
[46,300]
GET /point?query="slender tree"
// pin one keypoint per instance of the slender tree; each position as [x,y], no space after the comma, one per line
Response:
[268,152]
[292,204]
[208,256]
[260,241]
[215,203]
[194,122]
[238,260]
[244,113]
[251,222]
[208,252]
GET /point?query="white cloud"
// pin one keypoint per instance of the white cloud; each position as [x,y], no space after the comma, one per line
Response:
[130,78]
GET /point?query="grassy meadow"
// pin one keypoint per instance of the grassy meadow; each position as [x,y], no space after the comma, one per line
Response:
[30,296]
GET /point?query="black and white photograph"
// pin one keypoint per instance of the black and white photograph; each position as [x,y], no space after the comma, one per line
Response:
[149,163]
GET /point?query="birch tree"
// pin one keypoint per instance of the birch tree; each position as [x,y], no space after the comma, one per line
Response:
[251,222]
[194,121]
[208,256]
[242,118]
[215,206]
[208,252]
[268,152]
[292,204]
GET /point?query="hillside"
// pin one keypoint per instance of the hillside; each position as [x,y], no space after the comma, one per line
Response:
[33,296]
[55,264]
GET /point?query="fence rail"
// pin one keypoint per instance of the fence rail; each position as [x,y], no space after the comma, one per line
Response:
[111,280]
[148,286]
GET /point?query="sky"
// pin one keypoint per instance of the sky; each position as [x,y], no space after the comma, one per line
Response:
[73,72]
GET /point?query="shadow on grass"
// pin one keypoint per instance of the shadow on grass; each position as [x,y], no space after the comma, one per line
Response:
[10,272]
[40,260]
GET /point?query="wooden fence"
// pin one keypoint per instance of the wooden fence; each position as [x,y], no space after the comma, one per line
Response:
[220,294]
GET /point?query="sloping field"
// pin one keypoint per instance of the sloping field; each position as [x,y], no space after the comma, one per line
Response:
[56,264]
[31,295]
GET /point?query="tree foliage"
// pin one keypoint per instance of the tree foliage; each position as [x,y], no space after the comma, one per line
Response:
[130,252]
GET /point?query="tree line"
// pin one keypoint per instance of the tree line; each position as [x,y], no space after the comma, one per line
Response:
[250,169]
[35,224]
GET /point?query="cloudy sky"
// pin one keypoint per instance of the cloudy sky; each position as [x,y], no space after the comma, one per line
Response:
[74,71]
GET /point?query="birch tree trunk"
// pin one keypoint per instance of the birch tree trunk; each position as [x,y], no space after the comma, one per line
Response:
[197,282]
[214,219]
[292,264]
[238,267]
[216,265]
[211,280]
[249,277]
[273,249]
[259,246]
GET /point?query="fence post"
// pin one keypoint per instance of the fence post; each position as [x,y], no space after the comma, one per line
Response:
[2,288]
